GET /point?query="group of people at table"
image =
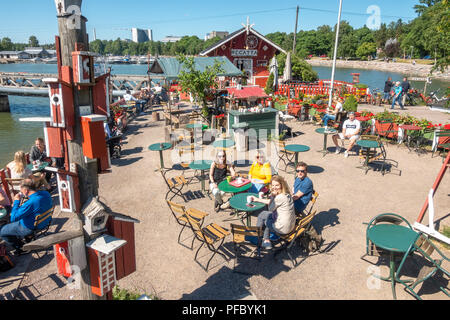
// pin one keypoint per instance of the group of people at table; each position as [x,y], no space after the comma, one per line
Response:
[31,195]
[282,206]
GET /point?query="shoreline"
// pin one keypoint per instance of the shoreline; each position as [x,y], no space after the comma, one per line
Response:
[418,70]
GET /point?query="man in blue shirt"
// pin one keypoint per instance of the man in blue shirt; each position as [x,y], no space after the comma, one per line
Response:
[23,215]
[303,188]
[397,95]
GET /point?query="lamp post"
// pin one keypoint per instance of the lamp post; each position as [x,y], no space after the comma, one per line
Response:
[335,55]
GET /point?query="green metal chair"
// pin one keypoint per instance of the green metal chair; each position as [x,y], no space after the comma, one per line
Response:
[425,248]
[371,249]
[439,134]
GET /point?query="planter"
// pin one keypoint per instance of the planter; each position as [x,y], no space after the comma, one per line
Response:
[295,110]
[382,127]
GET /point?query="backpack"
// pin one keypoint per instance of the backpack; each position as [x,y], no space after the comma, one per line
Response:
[312,240]
[5,262]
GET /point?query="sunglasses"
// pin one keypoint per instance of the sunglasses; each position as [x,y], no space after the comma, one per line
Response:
[302,171]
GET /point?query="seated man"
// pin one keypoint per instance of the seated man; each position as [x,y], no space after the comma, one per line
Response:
[260,173]
[23,215]
[128,97]
[331,114]
[350,131]
[303,188]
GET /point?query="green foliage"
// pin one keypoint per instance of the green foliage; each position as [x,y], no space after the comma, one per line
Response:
[33,41]
[301,70]
[350,104]
[124,294]
[361,86]
[366,49]
[269,84]
[199,84]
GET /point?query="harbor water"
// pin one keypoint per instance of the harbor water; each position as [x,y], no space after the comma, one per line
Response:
[16,135]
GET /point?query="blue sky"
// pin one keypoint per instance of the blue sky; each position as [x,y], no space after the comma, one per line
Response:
[114,18]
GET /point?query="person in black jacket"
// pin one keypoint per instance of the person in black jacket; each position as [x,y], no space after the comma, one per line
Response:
[405,88]
[387,90]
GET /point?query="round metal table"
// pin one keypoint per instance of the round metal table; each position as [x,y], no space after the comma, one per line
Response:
[325,135]
[367,144]
[395,239]
[201,165]
[239,203]
[296,148]
[224,144]
[226,187]
[41,166]
[160,147]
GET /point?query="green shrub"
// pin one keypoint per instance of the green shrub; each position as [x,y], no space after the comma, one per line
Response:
[124,294]
[350,104]
[269,84]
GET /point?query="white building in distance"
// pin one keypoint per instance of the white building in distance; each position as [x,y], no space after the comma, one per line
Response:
[171,39]
[213,34]
[140,35]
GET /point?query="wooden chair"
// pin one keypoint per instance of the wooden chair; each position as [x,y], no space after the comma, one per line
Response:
[179,213]
[310,205]
[339,121]
[243,238]
[287,241]
[212,236]
[425,248]
[13,183]
[446,146]
[175,185]
[284,155]
[42,223]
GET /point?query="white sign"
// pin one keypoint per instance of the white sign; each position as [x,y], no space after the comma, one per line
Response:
[244,53]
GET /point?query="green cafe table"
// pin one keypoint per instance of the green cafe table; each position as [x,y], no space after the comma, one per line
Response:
[160,147]
[239,203]
[296,148]
[226,187]
[367,144]
[325,135]
[223,144]
[40,167]
[194,126]
[395,239]
[201,165]
[3,213]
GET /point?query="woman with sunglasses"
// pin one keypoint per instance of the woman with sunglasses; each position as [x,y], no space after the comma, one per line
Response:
[260,173]
[303,188]
[217,173]
[280,218]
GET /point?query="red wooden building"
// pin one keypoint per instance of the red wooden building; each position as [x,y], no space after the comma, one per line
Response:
[249,51]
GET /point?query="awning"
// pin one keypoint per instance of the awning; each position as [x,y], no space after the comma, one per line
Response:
[247,92]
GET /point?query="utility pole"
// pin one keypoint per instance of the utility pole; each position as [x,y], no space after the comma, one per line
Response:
[335,55]
[295,32]
[73,37]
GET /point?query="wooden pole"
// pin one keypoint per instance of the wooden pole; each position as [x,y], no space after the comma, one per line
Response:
[295,32]
[73,37]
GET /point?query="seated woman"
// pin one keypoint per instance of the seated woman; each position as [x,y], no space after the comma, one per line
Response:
[4,204]
[280,218]
[19,170]
[217,173]
[331,114]
[260,173]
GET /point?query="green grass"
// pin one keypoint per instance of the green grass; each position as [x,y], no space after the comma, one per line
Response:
[124,294]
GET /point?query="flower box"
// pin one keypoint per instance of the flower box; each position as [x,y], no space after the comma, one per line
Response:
[383,127]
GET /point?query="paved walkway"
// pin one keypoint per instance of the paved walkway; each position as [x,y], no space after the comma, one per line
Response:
[347,198]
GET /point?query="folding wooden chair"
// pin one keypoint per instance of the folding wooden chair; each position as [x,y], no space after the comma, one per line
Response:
[212,236]
[287,241]
[175,185]
[179,213]
[425,248]
[284,155]
[243,238]
[42,223]
[310,205]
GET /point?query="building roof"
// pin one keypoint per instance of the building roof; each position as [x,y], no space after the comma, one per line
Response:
[247,92]
[35,50]
[170,67]
[11,52]
[235,34]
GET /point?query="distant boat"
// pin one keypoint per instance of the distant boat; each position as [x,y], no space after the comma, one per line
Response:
[51,60]
[35,60]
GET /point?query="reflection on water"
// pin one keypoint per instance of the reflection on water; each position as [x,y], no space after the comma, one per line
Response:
[16,135]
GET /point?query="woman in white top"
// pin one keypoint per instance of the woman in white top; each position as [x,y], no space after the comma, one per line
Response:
[19,170]
[281,215]
[331,115]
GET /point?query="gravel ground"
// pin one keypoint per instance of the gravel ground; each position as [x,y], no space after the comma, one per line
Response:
[347,198]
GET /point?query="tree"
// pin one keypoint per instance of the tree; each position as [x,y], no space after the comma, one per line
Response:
[366,49]
[7,44]
[199,84]
[33,41]
[421,8]
[301,70]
